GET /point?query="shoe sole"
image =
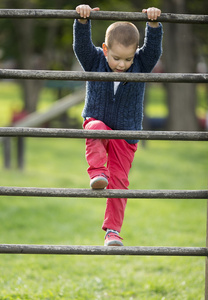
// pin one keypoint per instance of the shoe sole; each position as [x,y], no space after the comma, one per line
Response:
[114,243]
[99,184]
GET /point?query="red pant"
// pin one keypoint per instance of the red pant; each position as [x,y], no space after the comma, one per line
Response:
[118,154]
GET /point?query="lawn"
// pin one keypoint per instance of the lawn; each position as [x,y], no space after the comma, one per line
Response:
[74,221]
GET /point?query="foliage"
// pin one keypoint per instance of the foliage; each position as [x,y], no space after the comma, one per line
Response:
[50,41]
[64,36]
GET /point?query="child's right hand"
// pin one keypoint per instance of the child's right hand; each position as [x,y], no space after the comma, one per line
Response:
[152,13]
[84,11]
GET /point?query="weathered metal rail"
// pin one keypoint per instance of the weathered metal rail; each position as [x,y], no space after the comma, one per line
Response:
[70,133]
[101,250]
[89,193]
[101,15]
[104,134]
[103,76]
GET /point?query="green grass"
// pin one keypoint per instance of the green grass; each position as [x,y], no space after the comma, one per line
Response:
[77,221]
[61,163]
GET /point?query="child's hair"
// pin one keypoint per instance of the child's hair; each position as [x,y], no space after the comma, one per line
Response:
[124,33]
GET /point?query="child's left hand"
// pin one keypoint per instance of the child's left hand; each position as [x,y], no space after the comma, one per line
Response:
[152,13]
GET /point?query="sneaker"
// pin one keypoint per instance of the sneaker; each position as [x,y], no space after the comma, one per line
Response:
[113,239]
[99,182]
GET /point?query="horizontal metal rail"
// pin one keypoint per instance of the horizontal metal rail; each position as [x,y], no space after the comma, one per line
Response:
[104,134]
[101,250]
[101,15]
[103,76]
[89,193]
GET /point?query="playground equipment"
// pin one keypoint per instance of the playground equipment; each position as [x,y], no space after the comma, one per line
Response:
[69,133]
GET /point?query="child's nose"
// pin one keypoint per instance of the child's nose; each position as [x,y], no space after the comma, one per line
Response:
[121,63]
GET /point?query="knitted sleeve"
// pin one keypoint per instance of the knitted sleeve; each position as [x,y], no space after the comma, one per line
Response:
[84,49]
[151,51]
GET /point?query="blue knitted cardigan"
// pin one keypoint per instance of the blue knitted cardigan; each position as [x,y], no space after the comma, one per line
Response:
[124,110]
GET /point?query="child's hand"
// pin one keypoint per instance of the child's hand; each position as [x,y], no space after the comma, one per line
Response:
[84,11]
[152,13]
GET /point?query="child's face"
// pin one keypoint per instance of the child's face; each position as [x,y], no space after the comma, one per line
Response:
[119,57]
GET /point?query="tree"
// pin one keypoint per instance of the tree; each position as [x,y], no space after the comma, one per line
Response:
[33,44]
[182,46]
[47,44]
[179,57]
[43,44]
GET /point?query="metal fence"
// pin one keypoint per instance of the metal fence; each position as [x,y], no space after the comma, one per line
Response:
[71,133]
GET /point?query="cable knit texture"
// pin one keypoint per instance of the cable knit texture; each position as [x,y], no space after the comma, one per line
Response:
[124,110]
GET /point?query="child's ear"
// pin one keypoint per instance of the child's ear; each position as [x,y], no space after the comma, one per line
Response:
[105,49]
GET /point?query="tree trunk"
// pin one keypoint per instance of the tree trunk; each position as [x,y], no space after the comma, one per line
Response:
[179,57]
[31,91]
[24,29]
[25,43]
[27,57]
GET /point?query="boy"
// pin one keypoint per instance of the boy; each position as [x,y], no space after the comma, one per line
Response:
[114,105]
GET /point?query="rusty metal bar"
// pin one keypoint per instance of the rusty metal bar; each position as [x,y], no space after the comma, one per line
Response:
[104,134]
[102,250]
[89,193]
[101,15]
[103,76]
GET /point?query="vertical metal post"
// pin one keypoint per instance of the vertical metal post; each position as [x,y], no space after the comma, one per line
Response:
[7,152]
[20,152]
[206,262]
